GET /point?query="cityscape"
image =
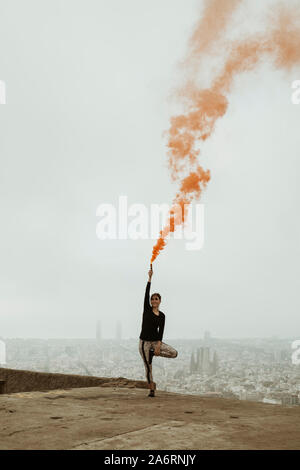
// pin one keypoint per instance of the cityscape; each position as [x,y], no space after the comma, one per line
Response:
[256,369]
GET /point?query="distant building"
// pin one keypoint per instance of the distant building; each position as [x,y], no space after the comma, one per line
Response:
[285,355]
[199,359]
[207,336]
[193,364]
[290,400]
[205,366]
[202,363]
[281,356]
[215,363]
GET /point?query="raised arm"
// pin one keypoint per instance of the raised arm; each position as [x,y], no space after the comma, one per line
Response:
[161,329]
[147,305]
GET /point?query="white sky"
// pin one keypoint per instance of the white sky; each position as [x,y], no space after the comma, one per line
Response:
[88,88]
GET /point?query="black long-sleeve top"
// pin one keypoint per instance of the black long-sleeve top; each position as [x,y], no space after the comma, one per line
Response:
[152,325]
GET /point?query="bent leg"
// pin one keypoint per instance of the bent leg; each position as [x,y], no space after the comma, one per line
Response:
[167,351]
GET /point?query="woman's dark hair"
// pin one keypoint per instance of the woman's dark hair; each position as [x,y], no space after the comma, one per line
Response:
[155,293]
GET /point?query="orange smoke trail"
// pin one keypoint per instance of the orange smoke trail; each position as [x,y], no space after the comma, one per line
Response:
[214,21]
[204,107]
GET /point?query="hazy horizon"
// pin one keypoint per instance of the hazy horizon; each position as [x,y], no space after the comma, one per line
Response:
[169,338]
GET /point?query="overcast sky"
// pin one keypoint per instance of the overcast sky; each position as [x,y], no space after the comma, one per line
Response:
[88,96]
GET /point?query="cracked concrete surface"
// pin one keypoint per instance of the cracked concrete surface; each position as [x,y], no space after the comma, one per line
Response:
[126,418]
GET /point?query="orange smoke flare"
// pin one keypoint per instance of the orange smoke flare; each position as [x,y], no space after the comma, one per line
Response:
[204,107]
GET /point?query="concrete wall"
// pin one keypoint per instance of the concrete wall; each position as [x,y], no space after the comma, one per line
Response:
[27,381]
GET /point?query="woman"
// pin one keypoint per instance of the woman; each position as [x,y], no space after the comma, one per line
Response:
[152,333]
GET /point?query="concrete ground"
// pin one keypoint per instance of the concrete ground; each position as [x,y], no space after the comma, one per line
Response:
[126,418]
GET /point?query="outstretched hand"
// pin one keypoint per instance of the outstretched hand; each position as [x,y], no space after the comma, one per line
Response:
[150,272]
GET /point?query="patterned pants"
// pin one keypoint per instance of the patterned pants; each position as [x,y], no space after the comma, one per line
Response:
[144,348]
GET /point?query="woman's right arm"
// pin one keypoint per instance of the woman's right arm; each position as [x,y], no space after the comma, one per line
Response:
[147,305]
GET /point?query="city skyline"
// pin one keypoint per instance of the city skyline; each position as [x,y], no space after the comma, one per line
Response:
[257,370]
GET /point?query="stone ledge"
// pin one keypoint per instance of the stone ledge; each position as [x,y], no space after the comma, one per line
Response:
[126,418]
